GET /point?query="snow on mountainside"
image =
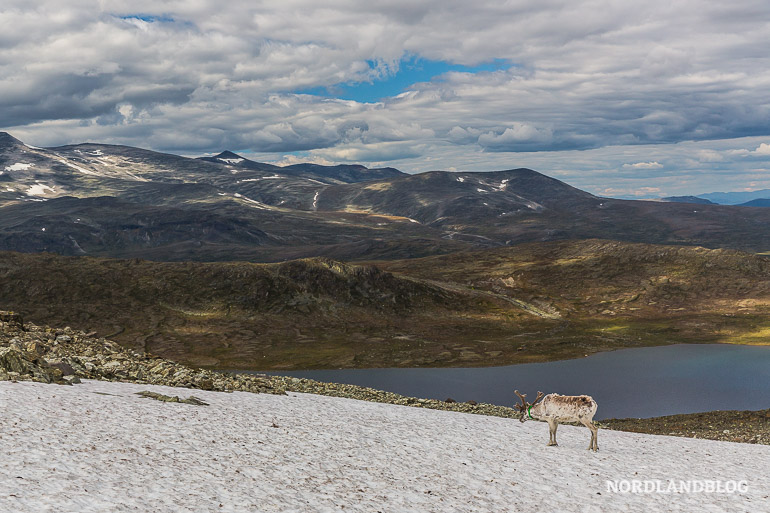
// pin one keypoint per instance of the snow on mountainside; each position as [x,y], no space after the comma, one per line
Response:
[99,447]
[343,173]
[344,211]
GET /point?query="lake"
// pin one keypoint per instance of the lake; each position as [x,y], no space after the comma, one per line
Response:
[639,382]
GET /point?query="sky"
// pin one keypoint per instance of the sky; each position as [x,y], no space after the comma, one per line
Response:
[623,99]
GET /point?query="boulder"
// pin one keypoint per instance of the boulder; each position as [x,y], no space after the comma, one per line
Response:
[13,360]
[62,365]
[12,319]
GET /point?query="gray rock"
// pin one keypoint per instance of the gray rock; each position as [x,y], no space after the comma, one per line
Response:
[62,365]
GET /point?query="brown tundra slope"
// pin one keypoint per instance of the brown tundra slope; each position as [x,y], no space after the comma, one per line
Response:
[531,302]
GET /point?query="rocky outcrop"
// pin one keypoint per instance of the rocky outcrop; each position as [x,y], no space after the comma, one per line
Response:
[64,356]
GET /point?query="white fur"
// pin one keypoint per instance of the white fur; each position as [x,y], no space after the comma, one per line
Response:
[555,408]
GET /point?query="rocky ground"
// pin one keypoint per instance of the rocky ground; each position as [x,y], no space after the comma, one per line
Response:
[732,426]
[64,356]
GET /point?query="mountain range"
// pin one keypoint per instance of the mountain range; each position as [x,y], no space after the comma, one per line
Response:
[119,201]
[759,198]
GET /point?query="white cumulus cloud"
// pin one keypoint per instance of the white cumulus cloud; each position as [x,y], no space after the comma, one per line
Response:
[644,165]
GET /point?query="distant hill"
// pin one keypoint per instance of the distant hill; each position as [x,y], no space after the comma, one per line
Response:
[302,313]
[735,198]
[760,202]
[688,199]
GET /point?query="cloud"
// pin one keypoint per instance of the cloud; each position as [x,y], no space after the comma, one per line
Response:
[644,165]
[520,136]
[289,160]
[709,156]
[197,77]
[642,192]
[663,61]
[460,135]
[375,153]
[763,150]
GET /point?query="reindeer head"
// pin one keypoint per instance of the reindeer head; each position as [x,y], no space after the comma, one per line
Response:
[525,406]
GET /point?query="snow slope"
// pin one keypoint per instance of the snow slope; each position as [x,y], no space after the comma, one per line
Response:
[98,447]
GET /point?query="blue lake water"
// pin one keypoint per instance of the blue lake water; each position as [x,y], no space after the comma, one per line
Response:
[640,382]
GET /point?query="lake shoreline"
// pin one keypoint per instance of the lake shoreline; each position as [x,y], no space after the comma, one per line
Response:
[741,426]
[32,353]
[693,377]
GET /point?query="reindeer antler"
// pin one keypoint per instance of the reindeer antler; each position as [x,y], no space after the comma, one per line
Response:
[540,395]
[522,397]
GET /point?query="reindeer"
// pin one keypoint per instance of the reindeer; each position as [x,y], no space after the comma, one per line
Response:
[557,408]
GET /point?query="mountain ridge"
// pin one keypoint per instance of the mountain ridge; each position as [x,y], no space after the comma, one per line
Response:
[348,211]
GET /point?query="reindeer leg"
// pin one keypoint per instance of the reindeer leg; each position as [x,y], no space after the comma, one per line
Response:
[552,424]
[594,445]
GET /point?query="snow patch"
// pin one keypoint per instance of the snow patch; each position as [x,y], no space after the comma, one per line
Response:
[460,179]
[98,446]
[535,206]
[19,166]
[137,178]
[39,189]
[257,204]
[315,200]
[231,161]
[78,168]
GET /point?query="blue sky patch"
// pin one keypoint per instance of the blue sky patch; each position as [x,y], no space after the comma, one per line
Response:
[411,70]
[148,18]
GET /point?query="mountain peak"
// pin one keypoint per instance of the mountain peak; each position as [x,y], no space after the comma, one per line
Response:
[227,154]
[227,157]
[7,139]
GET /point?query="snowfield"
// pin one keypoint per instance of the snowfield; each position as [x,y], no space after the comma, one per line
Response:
[19,166]
[98,447]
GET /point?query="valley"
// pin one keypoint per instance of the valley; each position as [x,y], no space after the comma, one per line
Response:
[228,263]
[529,303]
